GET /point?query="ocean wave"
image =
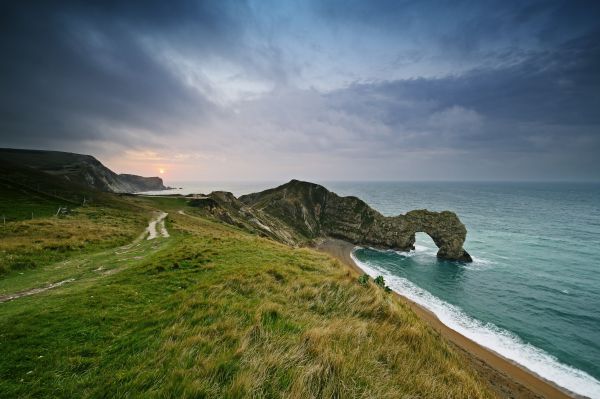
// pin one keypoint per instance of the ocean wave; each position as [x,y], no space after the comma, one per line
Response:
[492,337]
[419,250]
[423,250]
[479,264]
[405,254]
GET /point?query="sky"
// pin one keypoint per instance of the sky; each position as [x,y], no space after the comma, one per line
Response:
[311,89]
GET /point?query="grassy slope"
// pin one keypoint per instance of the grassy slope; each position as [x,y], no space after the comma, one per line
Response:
[26,243]
[22,203]
[36,243]
[24,190]
[216,312]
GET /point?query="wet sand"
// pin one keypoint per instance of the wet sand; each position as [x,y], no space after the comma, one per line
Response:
[506,378]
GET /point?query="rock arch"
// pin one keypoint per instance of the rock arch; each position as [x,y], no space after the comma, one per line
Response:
[444,228]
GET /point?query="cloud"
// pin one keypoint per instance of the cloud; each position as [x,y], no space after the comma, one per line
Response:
[314,89]
[543,108]
[96,71]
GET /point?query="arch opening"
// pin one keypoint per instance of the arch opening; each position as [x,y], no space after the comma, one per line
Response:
[424,243]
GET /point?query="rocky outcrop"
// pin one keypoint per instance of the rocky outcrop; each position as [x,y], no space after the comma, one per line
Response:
[298,211]
[141,183]
[83,170]
[227,208]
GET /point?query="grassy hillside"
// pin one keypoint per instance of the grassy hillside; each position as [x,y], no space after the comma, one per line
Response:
[25,191]
[216,312]
[78,169]
[30,244]
[32,237]
[19,203]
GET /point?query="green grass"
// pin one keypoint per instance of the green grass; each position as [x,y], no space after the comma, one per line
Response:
[36,243]
[32,237]
[23,204]
[80,267]
[215,312]
[25,191]
[173,203]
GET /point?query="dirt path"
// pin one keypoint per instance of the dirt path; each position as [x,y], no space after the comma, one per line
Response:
[10,297]
[152,227]
[163,229]
[155,228]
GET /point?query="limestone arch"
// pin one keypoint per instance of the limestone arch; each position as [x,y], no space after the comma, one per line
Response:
[444,228]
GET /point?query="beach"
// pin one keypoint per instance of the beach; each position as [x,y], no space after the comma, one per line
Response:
[507,378]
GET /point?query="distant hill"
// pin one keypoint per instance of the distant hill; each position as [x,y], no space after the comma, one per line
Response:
[83,170]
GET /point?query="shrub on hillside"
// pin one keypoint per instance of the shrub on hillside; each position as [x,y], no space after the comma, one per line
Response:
[364,279]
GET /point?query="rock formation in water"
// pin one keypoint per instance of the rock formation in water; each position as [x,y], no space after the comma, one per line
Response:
[300,211]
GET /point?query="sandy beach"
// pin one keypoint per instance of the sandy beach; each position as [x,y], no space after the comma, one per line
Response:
[506,377]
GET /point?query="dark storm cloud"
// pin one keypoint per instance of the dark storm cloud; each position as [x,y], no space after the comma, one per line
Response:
[467,25]
[80,70]
[554,87]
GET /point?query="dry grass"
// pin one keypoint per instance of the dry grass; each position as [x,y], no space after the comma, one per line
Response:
[220,313]
[33,243]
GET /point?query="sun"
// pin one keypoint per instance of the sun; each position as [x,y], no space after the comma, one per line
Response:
[161,171]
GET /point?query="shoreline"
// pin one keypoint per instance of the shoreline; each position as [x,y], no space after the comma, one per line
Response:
[506,378]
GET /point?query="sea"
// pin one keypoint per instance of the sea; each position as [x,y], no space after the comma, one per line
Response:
[532,293]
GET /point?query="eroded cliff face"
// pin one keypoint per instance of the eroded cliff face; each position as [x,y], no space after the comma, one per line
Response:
[140,183]
[299,211]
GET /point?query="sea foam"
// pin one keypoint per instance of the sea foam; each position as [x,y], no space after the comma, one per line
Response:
[489,335]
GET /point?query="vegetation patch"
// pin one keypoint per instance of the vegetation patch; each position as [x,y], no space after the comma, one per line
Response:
[363,279]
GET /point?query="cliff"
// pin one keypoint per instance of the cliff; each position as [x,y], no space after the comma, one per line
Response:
[141,183]
[84,170]
[300,211]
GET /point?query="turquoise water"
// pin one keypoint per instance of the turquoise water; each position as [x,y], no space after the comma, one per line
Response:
[533,290]
[532,293]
